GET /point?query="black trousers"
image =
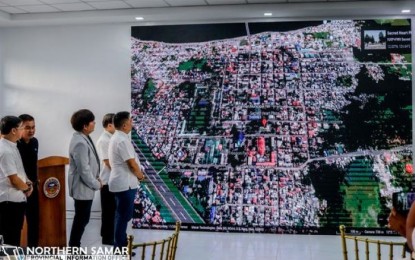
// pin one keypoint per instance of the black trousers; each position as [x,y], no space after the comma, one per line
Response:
[81,219]
[107,215]
[32,218]
[11,221]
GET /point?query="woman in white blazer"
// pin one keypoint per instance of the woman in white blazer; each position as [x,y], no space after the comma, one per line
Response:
[83,179]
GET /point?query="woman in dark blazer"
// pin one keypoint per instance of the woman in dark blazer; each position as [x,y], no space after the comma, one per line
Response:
[83,179]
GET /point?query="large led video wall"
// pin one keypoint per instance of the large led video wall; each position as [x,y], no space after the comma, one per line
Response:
[292,127]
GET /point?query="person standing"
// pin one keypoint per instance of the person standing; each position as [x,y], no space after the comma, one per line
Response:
[15,187]
[107,197]
[83,179]
[404,224]
[125,175]
[28,147]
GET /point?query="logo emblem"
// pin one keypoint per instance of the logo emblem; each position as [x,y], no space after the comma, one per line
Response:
[51,187]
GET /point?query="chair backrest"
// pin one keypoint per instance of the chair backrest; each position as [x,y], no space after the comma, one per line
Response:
[164,249]
[368,245]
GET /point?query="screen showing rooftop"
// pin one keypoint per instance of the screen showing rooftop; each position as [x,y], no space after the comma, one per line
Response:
[292,127]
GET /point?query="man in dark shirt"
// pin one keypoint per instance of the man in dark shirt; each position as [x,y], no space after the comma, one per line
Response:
[28,148]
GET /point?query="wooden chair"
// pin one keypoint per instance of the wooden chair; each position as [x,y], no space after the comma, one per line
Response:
[369,243]
[163,249]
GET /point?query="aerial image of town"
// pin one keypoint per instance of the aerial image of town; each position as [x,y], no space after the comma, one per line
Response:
[284,131]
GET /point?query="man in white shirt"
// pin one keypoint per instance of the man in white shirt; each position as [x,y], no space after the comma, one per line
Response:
[125,175]
[15,187]
[107,197]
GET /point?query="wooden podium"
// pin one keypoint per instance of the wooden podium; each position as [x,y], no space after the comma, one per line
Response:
[52,204]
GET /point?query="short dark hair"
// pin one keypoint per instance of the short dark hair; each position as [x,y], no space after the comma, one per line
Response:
[26,117]
[120,118]
[108,119]
[81,118]
[7,123]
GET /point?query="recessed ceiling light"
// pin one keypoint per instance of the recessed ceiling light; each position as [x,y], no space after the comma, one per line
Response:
[138,18]
[267,14]
[405,11]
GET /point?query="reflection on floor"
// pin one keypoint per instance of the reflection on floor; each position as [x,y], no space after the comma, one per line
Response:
[224,246]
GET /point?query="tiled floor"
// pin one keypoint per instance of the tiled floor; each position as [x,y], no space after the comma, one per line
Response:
[218,246]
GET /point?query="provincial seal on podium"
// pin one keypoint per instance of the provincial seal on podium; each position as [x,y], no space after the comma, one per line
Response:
[51,187]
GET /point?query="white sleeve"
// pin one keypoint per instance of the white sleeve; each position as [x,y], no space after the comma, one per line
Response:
[8,165]
[413,238]
[126,150]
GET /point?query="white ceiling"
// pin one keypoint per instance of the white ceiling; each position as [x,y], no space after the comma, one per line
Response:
[55,12]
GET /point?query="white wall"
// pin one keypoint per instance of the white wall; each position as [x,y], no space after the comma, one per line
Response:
[50,72]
